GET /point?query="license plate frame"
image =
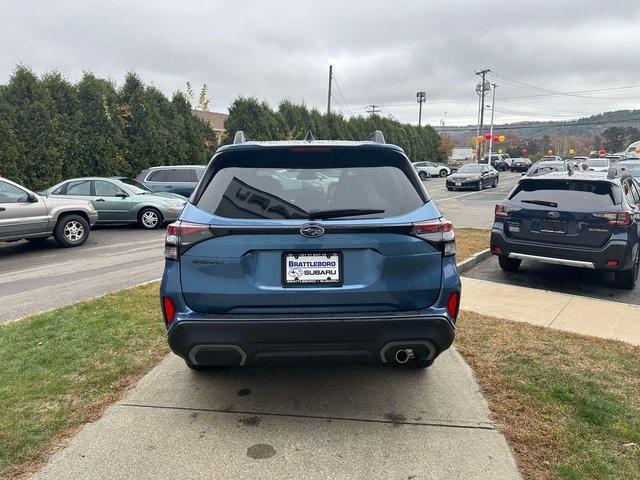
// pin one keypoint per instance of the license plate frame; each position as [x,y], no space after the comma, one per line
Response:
[287,280]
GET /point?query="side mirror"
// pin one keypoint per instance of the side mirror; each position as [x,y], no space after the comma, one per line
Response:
[121,195]
[31,197]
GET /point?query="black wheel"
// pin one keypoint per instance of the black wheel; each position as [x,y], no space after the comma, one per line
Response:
[423,176]
[71,230]
[443,173]
[418,364]
[495,183]
[628,278]
[449,188]
[150,218]
[480,186]
[509,264]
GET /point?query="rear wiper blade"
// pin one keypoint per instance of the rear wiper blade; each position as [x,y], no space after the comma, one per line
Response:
[541,202]
[348,212]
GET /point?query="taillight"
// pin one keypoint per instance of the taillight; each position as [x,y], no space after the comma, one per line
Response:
[453,304]
[620,219]
[503,210]
[168,310]
[439,232]
[182,235]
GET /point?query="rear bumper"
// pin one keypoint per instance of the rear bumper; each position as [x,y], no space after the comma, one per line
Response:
[596,258]
[310,338]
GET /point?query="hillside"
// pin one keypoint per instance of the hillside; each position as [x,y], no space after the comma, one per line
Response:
[581,127]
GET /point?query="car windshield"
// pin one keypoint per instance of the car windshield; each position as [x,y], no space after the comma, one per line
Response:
[471,168]
[597,162]
[135,186]
[305,190]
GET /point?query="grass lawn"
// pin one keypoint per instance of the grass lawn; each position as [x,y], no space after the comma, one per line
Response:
[568,404]
[62,368]
[470,241]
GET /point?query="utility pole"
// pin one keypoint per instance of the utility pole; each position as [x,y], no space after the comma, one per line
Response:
[493,105]
[372,109]
[329,95]
[421,97]
[481,89]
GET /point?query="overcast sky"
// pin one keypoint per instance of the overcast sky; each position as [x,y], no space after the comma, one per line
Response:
[382,51]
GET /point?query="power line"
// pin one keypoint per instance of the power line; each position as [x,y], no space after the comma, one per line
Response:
[342,94]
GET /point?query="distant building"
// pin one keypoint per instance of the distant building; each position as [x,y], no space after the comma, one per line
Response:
[214,119]
[462,154]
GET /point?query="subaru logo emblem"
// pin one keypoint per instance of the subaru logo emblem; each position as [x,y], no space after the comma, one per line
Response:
[553,214]
[312,231]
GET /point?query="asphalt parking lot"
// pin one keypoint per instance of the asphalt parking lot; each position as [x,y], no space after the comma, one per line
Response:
[469,208]
[39,277]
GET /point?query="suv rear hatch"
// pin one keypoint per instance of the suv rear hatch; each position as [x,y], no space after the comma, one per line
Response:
[311,229]
[575,212]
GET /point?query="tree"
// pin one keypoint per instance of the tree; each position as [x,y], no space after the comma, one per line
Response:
[446,146]
[203,101]
[614,139]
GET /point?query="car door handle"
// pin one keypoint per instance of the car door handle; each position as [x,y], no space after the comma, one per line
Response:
[99,199]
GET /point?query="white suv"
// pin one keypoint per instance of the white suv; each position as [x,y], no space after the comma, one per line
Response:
[431,169]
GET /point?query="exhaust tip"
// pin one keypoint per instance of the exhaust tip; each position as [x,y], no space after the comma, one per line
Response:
[403,355]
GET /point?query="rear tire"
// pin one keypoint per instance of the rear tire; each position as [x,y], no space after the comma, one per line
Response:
[423,176]
[150,218]
[480,185]
[71,231]
[443,173]
[628,279]
[509,264]
[495,184]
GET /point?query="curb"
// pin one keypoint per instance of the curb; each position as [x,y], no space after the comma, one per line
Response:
[473,261]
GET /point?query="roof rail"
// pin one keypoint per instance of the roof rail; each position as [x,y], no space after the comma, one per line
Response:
[309,136]
[377,137]
[239,137]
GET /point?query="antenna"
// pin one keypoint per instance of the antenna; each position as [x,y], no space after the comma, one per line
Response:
[239,137]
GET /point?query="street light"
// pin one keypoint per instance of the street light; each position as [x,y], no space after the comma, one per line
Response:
[421,97]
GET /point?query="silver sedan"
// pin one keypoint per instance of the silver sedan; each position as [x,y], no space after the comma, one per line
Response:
[122,200]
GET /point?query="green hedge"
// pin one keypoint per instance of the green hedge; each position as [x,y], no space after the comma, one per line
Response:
[260,122]
[52,129]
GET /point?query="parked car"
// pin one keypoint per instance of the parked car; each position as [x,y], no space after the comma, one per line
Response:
[431,169]
[520,164]
[540,168]
[632,150]
[630,167]
[180,179]
[258,273]
[597,164]
[499,161]
[578,219]
[550,158]
[122,200]
[27,215]
[614,158]
[473,175]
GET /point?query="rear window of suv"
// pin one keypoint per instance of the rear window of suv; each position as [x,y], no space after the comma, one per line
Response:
[571,195]
[297,188]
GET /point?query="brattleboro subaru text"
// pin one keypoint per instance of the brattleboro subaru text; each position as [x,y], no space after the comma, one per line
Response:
[310,251]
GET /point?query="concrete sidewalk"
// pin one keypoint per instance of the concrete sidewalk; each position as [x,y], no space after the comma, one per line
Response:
[293,423]
[573,313]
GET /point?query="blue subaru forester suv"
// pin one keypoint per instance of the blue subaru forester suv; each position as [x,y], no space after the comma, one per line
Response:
[310,251]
